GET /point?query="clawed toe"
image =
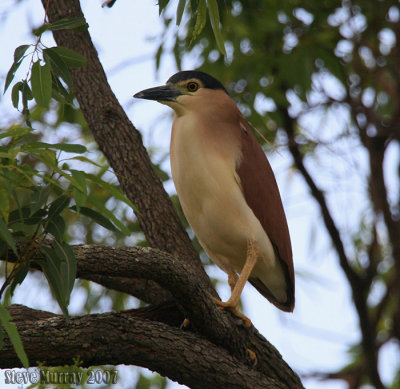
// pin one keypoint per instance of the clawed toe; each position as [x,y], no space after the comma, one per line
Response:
[228,306]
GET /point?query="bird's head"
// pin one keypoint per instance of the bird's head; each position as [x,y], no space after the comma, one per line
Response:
[184,90]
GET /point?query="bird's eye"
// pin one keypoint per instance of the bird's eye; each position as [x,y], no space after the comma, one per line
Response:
[192,86]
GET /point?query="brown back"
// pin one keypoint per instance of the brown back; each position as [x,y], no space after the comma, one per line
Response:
[262,195]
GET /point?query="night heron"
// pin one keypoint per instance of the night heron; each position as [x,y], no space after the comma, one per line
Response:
[227,189]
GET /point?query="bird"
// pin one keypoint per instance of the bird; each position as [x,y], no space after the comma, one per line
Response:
[227,189]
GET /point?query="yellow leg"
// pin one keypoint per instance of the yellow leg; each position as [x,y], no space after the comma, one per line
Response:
[232,279]
[237,284]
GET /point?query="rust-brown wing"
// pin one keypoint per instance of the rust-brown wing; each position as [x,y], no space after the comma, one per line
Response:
[262,195]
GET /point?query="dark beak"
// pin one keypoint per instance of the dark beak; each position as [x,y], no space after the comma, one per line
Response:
[159,93]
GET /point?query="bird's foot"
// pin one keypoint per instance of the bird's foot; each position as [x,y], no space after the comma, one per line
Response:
[228,306]
[252,356]
[184,324]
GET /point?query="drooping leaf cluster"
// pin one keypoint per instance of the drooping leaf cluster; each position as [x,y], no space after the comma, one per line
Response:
[48,75]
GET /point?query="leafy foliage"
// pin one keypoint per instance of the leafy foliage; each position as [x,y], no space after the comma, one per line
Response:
[40,191]
[199,8]
[45,81]
[34,202]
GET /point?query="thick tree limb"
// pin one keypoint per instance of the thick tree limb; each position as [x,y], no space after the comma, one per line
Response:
[220,327]
[145,290]
[121,338]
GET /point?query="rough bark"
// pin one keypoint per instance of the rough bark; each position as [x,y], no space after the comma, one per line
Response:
[221,328]
[145,290]
[125,338]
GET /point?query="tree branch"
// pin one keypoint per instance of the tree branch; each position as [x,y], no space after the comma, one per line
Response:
[96,339]
[191,296]
[145,290]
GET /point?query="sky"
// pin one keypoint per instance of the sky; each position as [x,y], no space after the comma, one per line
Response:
[316,337]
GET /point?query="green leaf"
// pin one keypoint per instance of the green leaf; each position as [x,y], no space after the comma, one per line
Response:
[70,57]
[15,93]
[40,30]
[201,19]
[4,199]
[106,212]
[158,55]
[78,24]
[57,65]
[59,268]
[97,217]
[19,52]
[194,5]
[68,265]
[179,11]
[69,148]
[59,93]
[161,173]
[19,215]
[84,159]
[36,218]
[41,83]
[12,332]
[47,156]
[80,181]
[19,131]
[56,227]
[79,197]
[6,236]
[114,190]
[68,24]
[161,5]
[26,91]
[40,196]
[10,75]
[26,96]
[65,252]
[19,276]
[51,181]
[58,205]
[214,18]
